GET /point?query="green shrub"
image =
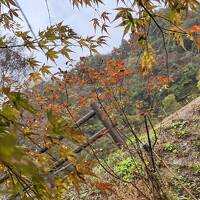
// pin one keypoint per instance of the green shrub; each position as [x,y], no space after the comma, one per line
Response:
[179,125]
[125,168]
[170,104]
[196,168]
[169,147]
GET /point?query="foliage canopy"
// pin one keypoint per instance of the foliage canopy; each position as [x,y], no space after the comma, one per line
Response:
[36,115]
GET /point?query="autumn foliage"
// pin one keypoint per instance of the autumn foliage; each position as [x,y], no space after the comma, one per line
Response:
[38,118]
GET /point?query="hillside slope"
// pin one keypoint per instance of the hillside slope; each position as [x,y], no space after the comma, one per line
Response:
[179,147]
[184,70]
[177,154]
[191,111]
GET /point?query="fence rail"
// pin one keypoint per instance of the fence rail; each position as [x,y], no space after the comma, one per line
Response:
[63,164]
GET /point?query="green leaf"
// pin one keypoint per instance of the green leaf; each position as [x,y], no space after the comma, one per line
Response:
[7,146]
[52,55]
[127,29]
[18,100]
[2,42]
[65,52]
[9,112]
[45,69]
[33,62]
[59,126]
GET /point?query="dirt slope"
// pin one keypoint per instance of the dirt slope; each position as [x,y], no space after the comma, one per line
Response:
[179,147]
[189,112]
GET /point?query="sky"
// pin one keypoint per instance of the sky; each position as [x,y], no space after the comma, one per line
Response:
[78,19]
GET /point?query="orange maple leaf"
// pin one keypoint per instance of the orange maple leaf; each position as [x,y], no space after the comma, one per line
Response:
[82,101]
[195,28]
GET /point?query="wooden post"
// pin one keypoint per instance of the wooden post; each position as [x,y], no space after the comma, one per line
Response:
[107,123]
[69,166]
[92,139]
[78,123]
[84,119]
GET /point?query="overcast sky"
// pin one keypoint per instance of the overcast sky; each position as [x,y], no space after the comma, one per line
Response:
[79,20]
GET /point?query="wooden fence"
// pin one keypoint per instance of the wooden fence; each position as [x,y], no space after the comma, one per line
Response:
[62,165]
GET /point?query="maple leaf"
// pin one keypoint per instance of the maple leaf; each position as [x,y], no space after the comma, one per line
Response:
[82,101]
[35,76]
[52,55]
[95,23]
[195,29]
[105,187]
[104,28]
[65,52]
[67,153]
[45,69]
[82,58]
[104,16]
[33,62]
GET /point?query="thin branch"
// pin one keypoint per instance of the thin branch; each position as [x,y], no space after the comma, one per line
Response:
[48,10]
[149,143]
[26,19]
